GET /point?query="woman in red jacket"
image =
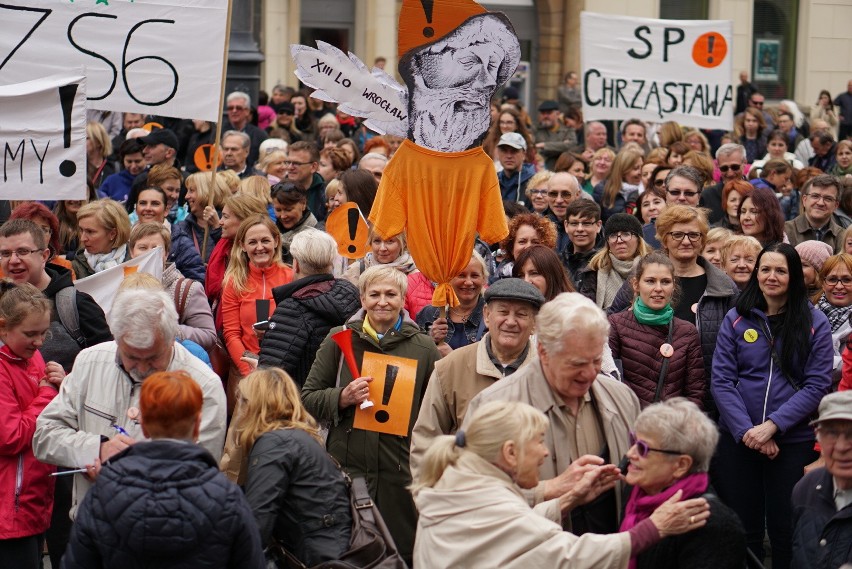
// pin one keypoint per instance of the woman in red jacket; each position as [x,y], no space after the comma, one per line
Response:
[255,268]
[661,354]
[27,385]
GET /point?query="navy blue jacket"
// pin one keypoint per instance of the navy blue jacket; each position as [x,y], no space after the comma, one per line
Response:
[822,536]
[164,504]
[513,188]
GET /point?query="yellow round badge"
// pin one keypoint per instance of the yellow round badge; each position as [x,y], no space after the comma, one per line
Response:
[750,335]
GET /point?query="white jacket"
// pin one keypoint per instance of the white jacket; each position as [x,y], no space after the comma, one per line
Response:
[97,394]
[475,516]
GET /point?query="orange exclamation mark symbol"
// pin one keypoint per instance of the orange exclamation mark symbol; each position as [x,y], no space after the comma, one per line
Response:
[427,9]
[709,50]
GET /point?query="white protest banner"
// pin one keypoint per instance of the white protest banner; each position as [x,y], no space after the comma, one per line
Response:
[159,57]
[103,286]
[43,139]
[657,70]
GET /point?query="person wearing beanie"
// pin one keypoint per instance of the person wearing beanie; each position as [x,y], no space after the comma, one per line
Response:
[609,268]
[834,298]
[813,254]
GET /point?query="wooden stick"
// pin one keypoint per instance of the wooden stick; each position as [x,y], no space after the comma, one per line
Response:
[215,155]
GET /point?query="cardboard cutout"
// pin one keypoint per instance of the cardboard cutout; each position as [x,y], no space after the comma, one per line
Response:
[392,394]
[349,229]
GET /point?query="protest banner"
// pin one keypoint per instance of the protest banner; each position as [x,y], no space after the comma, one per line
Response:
[160,57]
[43,137]
[103,286]
[657,70]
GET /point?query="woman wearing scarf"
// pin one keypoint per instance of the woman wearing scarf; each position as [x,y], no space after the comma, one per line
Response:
[609,268]
[670,452]
[619,193]
[104,231]
[660,354]
[835,301]
[392,252]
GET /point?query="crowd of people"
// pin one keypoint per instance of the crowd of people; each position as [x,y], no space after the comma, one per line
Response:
[673,301]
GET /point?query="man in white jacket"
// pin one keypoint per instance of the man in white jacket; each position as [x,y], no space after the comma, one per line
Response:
[96,414]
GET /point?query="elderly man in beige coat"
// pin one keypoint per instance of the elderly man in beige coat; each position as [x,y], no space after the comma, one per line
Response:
[510,309]
[589,413]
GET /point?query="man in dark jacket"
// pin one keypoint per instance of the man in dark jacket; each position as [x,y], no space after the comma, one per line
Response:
[822,500]
[307,308]
[511,149]
[302,169]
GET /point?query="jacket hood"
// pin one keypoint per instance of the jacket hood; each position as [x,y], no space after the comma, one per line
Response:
[60,278]
[156,491]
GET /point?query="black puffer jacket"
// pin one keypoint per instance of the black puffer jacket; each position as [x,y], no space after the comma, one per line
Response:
[305,311]
[299,496]
[164,504]
[822,536]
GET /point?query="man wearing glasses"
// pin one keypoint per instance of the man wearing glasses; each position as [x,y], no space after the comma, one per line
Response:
[822,500]
[302,168]
[820,197]
[238,107]
[562,189]
[731,159]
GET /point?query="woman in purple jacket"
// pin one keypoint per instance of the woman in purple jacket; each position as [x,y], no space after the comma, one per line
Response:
[771,367]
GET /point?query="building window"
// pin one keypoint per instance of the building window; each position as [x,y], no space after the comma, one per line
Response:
[774,48]
[680,10]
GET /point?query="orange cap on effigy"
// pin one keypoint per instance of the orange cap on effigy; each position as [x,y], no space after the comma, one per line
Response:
[424,21]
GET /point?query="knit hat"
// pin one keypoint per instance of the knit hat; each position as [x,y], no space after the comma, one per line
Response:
[623,222]
[814,253]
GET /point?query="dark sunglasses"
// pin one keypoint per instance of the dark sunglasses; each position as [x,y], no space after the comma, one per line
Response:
[734,167]
[643,449]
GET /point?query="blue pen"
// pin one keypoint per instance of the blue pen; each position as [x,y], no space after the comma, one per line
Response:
[121,430]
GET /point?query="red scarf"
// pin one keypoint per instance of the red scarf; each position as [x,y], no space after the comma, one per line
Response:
[641,505]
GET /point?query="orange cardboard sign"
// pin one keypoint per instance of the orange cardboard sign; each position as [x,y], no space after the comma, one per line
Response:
[392,394]
[710,49]
[203,158]
[349,229]
[149,126]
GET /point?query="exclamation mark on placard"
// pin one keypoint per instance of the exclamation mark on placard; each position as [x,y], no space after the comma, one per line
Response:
[427,9]
[711,39]
[353,228]
[66,99]
[390,379]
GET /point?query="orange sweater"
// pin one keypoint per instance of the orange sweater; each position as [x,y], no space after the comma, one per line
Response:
[239,312]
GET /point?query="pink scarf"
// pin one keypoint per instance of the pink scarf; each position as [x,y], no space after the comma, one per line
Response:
[640,505]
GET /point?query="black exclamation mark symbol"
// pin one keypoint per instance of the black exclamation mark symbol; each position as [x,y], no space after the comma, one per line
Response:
[427,9]
[66,99]
[711,39]
[390,379]
[353,228]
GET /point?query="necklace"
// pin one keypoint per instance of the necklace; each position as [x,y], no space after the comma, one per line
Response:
[463,315]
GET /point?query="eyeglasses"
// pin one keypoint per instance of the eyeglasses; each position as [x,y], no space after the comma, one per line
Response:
[21,253]
[693,236]
[565,195]
[538,192]
[757,103]
[817,197]
[291,163]
[643,449]
[830,435]
[583,224]
[622,235]
[660,182]
[832,281]
[726,167]
[235,108]
[684,193]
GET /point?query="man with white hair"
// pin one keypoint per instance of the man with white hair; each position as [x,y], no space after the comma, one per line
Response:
[238,107]
[731,158]
[96,413]
[374,163]
[589,412]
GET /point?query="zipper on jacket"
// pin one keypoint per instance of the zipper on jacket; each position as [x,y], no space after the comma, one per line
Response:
[101,414]
[19,480]
[768,384]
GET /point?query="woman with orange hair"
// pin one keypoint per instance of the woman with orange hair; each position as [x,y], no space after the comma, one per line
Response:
[168,492]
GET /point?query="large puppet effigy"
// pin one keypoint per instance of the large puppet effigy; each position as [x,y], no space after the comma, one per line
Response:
[440,187]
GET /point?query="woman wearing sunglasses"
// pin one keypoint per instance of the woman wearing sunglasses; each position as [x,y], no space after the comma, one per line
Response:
[771,367]
[670,452]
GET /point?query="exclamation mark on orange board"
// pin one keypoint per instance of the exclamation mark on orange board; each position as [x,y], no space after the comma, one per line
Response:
[353,228]
[427,9]
[390,379]
[711,39]
[66,99]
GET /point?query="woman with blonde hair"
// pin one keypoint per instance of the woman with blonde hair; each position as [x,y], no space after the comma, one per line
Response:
[104,230]
[272,165]
[620,191]
[716,239]
[392,252]
[739,254]
[473,512]
[536,191]
[696,141]
[98,149]
[259,187]
[297,493]
[601,165]
[205,194]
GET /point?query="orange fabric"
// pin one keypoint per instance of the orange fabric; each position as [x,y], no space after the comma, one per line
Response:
[452,196]
[239,313]
[417,28]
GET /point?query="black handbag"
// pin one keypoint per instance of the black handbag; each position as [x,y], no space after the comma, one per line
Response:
[370,546]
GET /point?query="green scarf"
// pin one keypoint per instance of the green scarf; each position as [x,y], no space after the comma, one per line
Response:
[645,315]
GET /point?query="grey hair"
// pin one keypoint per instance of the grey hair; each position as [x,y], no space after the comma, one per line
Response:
[314,250]
[137,316]
[694,175]
[680,425]
[376,155]
[238,95]
[730,148]
[569,312]
[244,138]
